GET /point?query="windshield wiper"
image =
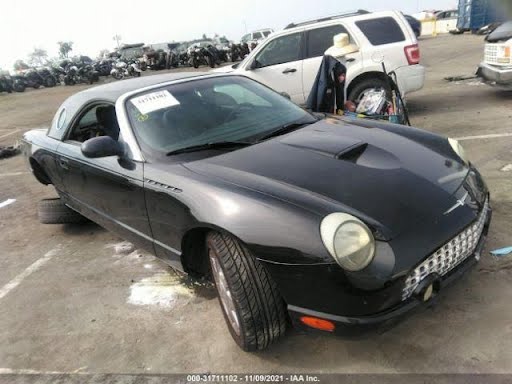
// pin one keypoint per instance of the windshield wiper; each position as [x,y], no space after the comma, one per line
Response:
[214,145]
[285,129]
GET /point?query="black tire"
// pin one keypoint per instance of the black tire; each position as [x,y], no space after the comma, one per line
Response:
[211,61]
[54,211]
[195,63]
[50,82]
[362,86]
[36,85]
[259,307]
[19,87]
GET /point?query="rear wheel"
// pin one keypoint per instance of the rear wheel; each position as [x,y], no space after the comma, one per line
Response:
[251,304]
[54,211]
[358,91]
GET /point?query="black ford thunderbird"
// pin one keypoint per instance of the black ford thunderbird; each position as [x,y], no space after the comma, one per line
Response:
[321,221]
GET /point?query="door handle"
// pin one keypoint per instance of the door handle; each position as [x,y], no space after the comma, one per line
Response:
[350,59]
[289,70]
[64,163]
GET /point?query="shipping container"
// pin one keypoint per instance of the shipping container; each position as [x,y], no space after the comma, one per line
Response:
[474,14]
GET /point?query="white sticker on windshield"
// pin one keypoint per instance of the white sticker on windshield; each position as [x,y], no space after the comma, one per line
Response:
[154,101]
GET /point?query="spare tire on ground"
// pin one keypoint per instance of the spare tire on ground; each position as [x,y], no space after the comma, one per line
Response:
[54,211]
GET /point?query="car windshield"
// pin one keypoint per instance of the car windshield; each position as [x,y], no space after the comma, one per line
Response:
[209,110]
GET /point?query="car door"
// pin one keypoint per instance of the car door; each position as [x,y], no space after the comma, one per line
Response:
[318,40]
[279,65]
[109,189]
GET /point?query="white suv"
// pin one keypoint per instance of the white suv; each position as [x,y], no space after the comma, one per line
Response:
[288,60]
[257,36]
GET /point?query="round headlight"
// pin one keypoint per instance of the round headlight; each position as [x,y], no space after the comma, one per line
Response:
[349,241]
[458,149]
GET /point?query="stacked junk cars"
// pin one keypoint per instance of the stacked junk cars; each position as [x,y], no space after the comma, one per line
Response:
[69,72]
[130,60]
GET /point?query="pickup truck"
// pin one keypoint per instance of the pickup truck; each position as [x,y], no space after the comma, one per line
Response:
[496,68]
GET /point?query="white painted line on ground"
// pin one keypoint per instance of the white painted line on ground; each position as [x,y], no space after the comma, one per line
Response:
[10,133]
[10,371]
[7,202]
[27,272]
[13,174]
[490,136]
[507,168]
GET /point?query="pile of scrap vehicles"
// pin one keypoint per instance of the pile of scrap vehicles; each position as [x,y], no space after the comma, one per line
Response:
[80,69]
[209,52]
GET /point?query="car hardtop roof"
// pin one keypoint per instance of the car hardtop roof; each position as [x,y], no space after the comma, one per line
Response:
[112,91]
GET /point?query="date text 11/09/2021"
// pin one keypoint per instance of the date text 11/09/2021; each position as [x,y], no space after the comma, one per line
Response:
[250,378]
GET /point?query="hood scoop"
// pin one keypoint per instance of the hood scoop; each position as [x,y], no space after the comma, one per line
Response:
[322,142]
[343,148]
[352,153]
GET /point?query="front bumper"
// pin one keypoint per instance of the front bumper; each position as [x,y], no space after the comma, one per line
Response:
[350,326]
[495,75]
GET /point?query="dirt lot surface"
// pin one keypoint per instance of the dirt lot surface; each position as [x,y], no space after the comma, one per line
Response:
[77,299]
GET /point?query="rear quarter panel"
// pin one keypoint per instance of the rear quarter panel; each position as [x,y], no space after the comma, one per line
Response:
[393,54]
[37,147]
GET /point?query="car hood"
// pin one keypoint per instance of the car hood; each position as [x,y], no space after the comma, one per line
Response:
[502,33]
[384,177]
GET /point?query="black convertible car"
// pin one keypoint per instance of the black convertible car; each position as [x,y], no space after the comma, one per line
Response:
[321,220]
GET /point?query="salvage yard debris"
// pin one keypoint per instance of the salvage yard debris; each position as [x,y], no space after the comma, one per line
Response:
[460,77]
[502,251]
[6,152]
[163,290]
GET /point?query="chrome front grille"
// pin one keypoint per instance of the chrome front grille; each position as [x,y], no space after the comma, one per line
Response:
[491,54]
[496,54]
[449,255]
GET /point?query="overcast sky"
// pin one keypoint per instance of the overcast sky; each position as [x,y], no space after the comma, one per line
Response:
[92,24]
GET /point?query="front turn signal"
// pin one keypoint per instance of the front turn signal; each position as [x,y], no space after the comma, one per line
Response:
[315,322]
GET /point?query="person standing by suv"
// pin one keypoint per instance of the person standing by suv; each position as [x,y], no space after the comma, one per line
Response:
[288,60]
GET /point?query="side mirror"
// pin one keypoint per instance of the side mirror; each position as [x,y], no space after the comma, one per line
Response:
[102,146]
[254,65]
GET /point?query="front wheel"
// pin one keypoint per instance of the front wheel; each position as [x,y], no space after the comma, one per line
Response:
[252,306]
